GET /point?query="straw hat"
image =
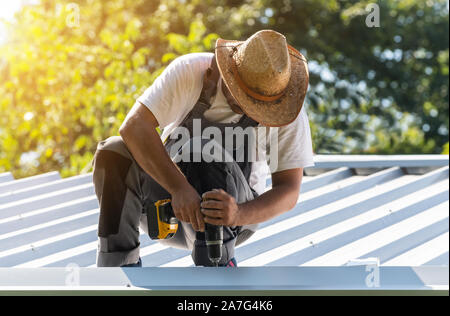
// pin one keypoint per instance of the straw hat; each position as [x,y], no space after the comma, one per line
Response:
[265,75]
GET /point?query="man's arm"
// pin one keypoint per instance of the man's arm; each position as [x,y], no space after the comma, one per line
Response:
[139,134]
[281,198]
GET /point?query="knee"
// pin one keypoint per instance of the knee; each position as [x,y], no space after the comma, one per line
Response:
[111,161]
[115,144]
[111,153]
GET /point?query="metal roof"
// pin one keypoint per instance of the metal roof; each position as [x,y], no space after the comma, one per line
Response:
[244,281]
[391,208]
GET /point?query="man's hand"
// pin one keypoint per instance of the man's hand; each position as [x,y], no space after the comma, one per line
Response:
[186,207]
[220,208]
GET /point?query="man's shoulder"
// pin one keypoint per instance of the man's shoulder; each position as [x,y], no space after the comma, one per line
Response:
[201,60]
[299,122]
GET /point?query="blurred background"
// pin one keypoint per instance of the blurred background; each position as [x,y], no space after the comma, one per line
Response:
[71,70]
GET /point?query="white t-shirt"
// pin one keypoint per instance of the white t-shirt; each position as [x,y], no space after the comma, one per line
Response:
[175,92]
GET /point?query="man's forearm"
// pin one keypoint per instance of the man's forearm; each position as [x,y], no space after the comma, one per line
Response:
[147,149]
[139,134]
[272,203]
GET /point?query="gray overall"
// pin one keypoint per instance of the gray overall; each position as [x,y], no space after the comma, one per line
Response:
[124,190]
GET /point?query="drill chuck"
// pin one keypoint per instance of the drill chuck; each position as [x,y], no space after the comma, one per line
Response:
[214,242]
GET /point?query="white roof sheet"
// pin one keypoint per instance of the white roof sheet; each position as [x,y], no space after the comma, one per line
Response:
[394,208]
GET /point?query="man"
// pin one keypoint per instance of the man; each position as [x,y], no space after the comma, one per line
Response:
[260,82]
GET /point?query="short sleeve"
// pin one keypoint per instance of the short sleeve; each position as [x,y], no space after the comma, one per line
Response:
[173,94]
[294,145]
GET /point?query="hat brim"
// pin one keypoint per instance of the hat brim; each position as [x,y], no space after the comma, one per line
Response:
[276,113]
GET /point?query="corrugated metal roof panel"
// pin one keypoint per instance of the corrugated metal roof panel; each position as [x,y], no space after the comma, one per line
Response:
[12,186]
[343,213]
[245,281]
[5,177]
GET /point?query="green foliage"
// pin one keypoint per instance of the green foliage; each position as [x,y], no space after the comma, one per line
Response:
[195,42]
[358,72]
[65,87]
[445,149]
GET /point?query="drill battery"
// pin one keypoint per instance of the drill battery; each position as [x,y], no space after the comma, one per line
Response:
[162,223]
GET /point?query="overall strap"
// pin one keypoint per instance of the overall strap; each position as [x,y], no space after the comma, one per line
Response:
[210,80]
[247,121]
[209,89]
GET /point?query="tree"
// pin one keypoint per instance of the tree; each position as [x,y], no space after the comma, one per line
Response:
[70,72]
[66,87]
[362,75]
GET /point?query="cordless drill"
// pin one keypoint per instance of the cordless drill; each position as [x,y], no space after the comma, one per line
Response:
[214,242]
[162,224]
